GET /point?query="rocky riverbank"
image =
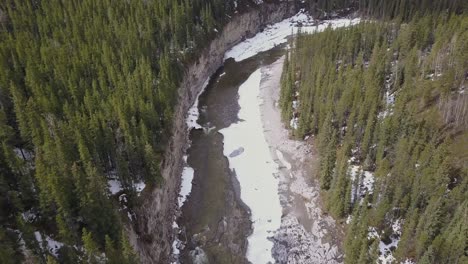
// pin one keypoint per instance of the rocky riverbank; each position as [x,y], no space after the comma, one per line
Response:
[306,235]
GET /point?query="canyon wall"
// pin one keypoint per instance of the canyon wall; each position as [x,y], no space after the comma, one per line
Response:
[151,233]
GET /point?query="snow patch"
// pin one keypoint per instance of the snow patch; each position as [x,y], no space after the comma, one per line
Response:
[29,216]
[283,161]
[123,201]
[372,233]
[296,245]
[23,154]
[139,186]
[295,104]
[186,185]
[255,171]
[53,246]
[193,112]
[389,104]
[278,33]
[349,219]
[198,256]
[129,215]
[368,182]
[386,250]
[294,122]
[114,186]
[389,99]
[362,182]
[185,189]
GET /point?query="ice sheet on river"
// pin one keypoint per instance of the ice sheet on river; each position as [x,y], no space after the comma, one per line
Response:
[255,170]
[278,33]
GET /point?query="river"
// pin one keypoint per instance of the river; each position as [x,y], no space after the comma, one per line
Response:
[247,195]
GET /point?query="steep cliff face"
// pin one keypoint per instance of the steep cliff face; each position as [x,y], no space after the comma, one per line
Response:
[152,233]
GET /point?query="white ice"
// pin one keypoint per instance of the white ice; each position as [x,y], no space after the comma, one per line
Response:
[278,33]
[255,170]
[186,185]
[193,112]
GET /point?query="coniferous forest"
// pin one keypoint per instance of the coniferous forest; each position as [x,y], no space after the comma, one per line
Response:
[87,90]
[387,102]
[87,94]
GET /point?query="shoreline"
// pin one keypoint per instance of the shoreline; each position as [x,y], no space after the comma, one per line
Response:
[254,169]
[307,234]
[152,235]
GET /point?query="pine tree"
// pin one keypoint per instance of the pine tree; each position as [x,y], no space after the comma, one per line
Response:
[90,247]
[346,77]
[128,254]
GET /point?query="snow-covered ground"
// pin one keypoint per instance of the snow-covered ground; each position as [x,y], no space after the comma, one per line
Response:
[362,182]
[386,250]
[139,186]
[23,154]
[294,123]
[278,33]
[255,170]
[115,186]
[29,216]
[52,245]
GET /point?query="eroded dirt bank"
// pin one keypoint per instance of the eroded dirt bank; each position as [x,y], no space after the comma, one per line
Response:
[151,233]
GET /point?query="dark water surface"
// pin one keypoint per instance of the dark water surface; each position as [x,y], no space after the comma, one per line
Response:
[214,220]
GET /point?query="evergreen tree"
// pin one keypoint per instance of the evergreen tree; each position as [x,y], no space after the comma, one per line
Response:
[377,97]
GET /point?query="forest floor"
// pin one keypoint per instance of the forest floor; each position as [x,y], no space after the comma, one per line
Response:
[307,233]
